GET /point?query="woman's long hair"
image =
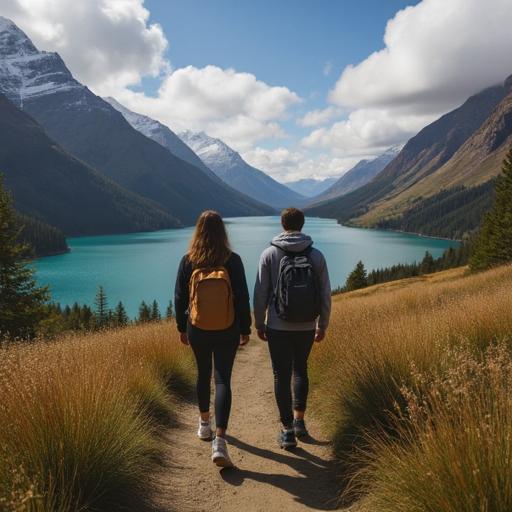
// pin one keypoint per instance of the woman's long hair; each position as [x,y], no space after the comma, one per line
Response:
[209,246]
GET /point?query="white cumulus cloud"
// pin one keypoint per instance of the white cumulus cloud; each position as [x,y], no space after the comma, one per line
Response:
[110,45]
[107,44]
[233,106]
[366,131]
[319,116]
[286,165]
[436,54]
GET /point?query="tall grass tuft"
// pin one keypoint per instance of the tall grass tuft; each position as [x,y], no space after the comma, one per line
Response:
[78,417]
[381,339]
[456,450]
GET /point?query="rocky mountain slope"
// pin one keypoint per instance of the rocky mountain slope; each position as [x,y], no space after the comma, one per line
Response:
[362,173]
[229,166]
[92,130]
[463,148]
[50,185]
[161,134]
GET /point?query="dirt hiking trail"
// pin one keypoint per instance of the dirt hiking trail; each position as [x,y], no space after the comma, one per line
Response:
[266,478]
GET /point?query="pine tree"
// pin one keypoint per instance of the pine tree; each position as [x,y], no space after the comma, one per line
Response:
[144,313]
[74,321]
[101,312]
[358,278]
[121,318]
[494,244]
[67,312]
[155,312]
[87,318]
[169,313]
[22,302]
[427,264]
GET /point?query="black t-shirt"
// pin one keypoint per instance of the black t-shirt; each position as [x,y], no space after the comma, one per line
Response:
[236,272]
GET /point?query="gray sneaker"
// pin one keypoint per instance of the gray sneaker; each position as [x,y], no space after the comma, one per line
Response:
[220,455]
[204,430]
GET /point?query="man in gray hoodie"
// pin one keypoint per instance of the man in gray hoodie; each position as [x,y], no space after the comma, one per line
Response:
[290,342]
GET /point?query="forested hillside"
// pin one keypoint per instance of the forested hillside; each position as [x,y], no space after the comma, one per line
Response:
[90,129]
[49,184]
[427,188]
[452,213]
[44,239]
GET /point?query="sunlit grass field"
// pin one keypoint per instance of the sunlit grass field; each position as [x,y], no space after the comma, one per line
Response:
[414,384]
[79,417]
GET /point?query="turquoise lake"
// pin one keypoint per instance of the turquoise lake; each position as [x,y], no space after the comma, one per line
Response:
[142,266]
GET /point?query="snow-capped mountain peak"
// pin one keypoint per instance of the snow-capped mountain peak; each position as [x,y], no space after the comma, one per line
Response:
[213,152]
[13,41]
[229,166]
[26,72]
[140,122]
[393,150]
[162,134]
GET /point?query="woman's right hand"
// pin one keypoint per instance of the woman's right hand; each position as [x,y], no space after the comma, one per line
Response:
[184,338]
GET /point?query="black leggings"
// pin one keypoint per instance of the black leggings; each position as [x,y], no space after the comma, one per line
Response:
[223,348]
[289,351]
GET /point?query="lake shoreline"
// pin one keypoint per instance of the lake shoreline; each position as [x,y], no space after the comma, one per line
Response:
[227,221]
[142,266]
[403,232]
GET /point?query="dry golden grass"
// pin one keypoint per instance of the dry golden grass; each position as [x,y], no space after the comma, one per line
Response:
[78,416]
[456,445]
[382,337]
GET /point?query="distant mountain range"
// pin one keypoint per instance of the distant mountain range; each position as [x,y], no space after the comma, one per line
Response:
[310,187]
[445,170]
[89,128]
[161,134]
[229,166]
[362,173]
[86,165]
[192,148]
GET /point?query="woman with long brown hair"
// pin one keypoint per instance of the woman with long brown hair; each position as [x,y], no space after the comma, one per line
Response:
[213,317]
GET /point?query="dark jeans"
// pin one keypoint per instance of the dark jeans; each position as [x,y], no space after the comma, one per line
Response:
[221,347]
[289,352]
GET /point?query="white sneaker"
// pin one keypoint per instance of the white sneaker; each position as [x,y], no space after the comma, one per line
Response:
[204,431]
[220,453]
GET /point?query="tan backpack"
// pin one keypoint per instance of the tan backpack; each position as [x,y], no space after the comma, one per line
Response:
[211,306]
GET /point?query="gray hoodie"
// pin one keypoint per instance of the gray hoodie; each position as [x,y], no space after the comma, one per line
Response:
[264,312]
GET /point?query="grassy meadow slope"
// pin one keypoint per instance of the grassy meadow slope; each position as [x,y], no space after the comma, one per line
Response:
[476,162]
[458,155]
[414,385]
[422,156]
[79,417]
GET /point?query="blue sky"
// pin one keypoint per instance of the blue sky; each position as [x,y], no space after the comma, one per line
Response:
[253,73]
[301,44]
[285,42]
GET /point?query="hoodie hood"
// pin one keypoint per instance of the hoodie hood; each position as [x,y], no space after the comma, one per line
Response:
[292,241]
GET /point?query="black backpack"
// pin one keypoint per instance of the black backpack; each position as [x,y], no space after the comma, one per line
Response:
[296,296]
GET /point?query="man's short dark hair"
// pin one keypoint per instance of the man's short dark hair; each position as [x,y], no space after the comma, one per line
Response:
[292,219]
